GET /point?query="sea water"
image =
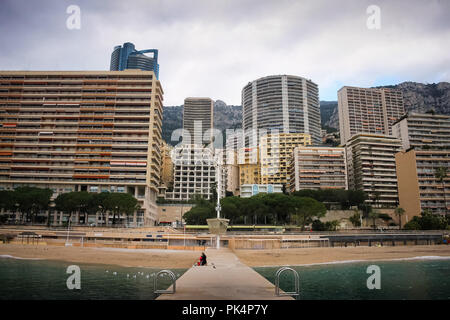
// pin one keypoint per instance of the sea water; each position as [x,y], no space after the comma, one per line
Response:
[423,279]
[47,280]
[427,278]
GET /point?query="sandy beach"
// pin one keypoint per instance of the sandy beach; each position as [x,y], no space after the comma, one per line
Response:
[277,257]
[185,259]
[123,257]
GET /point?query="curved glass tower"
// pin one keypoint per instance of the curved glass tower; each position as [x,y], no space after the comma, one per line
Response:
[127,57]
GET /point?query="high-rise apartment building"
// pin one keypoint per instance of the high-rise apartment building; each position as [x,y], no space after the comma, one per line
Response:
[418,187]
[249,166]
[288,104]
[195,172]
[318,168]
[368,110]
[127,57]
[232,173]
[423,131]
[89,131]
[167,165]
[276,151]
[371,167]
[198,120]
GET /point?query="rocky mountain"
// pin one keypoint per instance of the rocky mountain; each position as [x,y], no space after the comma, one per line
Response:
[421,97]
[418,97]
[172,119]
[225,117]
[327,109]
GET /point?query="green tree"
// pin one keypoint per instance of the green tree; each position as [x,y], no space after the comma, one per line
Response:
[67,203]
[413,224]
[345,198]
[357,197]
[305,209]
[83,201]
[99,201]
[230,208]
[332,225]
[318,225]
[202,210]
[376,196]
[30,201]
[374,214]
[8,201]
[355,219]
[399,211]
[121,203]
[430,221]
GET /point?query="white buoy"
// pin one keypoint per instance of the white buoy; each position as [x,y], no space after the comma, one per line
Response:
[147,276]
[114,273]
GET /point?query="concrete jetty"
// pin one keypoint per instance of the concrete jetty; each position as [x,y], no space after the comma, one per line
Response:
[224,278]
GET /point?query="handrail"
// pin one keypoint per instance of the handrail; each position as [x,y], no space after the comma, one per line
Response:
[174,282]
[277,282]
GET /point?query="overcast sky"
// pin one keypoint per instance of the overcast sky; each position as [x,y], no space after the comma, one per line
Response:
[213,48]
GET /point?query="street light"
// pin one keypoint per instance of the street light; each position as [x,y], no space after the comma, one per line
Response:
[218,208]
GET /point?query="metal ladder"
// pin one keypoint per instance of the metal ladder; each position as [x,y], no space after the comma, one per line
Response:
[174,282]
[277,282]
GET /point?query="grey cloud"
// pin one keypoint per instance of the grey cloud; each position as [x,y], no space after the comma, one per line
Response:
[214,47]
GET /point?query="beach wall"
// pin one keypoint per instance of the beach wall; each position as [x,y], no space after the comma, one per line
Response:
[343,217]
[168,213]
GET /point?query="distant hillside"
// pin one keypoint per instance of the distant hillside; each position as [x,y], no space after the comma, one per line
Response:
[326,112]
[225,117]
[172,119]
[418,97]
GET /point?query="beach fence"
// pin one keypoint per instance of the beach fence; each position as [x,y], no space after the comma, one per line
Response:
[292,243]
[29,237]
[241,243]
[281,242]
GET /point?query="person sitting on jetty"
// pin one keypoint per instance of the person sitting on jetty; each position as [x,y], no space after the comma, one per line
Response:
[202,259]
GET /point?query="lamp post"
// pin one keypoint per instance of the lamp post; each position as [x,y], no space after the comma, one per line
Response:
[218,225]
[218,208]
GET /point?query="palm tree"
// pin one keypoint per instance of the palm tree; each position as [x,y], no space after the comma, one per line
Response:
[399,211]
[373,214]
[441,174]
[376,198]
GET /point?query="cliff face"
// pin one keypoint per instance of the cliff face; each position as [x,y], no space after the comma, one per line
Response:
[418,97]
[421,97]
[225,117]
